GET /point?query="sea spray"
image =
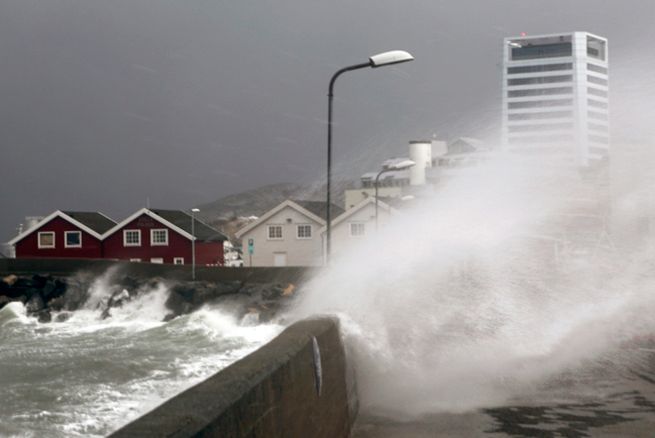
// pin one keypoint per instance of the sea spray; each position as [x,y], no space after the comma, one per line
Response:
[482,291]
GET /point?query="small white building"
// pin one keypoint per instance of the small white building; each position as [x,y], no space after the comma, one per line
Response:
[358,223]
[287,235]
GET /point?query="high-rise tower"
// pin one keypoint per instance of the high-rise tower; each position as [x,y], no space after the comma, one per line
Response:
[555,96]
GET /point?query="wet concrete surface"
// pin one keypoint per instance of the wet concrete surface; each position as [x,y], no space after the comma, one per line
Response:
[611,397]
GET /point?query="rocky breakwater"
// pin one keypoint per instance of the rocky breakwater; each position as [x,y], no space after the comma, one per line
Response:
[50,297]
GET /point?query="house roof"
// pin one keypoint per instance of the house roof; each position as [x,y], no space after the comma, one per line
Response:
[92,219]
[315,210]
[181,219]
[348,213]
[94,223]
[176,220]
[319,208]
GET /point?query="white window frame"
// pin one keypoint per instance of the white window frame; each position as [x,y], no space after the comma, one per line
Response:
[157,260]
[268,232]
[152,234]
[66,245]
[178,260]
[350,229]
[311,232]
[46,246]
[125,243]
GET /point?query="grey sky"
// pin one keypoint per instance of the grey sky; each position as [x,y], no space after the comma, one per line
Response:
[105,103]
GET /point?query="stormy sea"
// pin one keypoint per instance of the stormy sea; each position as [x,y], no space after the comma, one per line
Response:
[120,353]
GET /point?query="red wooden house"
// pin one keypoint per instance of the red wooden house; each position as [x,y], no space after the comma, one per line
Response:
[67,234]
[163,236]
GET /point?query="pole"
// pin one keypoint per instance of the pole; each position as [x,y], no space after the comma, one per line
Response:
[193,245]
[377,178]
[328,232]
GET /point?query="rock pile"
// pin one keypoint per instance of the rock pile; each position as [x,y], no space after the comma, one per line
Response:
[42,295]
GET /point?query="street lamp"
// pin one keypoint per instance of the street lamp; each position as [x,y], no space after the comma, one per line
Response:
[401,165]
[193,243]
[379,60]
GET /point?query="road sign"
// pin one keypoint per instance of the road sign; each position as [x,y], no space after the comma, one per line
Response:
[251,246]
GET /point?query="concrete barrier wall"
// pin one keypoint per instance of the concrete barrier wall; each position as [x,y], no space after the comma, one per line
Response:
[274,392]
[148,270]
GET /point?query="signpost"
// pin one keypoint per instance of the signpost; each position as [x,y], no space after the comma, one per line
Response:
[251,249]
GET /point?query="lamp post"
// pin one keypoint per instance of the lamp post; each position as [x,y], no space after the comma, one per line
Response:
[405,164]
[193,243]
[379,60]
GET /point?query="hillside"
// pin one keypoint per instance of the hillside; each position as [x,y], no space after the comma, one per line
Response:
[226,213]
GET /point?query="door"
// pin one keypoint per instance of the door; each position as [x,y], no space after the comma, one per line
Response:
[279,259]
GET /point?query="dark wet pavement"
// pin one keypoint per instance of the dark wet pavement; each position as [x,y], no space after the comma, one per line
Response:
[608,398]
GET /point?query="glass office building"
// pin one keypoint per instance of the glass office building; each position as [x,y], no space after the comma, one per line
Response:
[555,96]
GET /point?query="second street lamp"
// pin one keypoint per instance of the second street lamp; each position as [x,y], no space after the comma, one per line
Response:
[402,165]
[379,60]
[193,243]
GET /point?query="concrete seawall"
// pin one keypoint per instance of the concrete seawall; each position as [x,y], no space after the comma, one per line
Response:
[64,267]
[296,386]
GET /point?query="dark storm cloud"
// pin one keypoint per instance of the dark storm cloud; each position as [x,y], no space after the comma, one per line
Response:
[106,103]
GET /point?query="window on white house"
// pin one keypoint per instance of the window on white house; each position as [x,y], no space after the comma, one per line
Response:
[131,237]
[135,260]
[275,232]
[357,229]
[73,239]
[157,260]
[178,260]
[159,237]
[304,231]
[46,239]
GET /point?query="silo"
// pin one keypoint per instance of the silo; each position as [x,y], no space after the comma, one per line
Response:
[420,152]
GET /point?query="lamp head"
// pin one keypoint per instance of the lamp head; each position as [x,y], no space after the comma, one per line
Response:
[388,58]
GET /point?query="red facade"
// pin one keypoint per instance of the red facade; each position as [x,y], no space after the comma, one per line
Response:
[28,247]
[177,245]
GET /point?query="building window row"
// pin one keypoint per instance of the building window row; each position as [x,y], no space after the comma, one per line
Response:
[72,239]
[597,127]
[553,50]
[275,232]
[304,231]
[597,92]
[158,237]
[540,103]
[597,116]
[46,239]
[597,103]
[596,68]
[598,81]
[540,68]
[540,92]
[545,127]
[599,139]
[131,237]
[540,116]
[598,151]
[540,80]
[540,139]
[387,182]
[357,229]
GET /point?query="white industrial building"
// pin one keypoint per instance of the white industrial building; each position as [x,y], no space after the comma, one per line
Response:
[555,96]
